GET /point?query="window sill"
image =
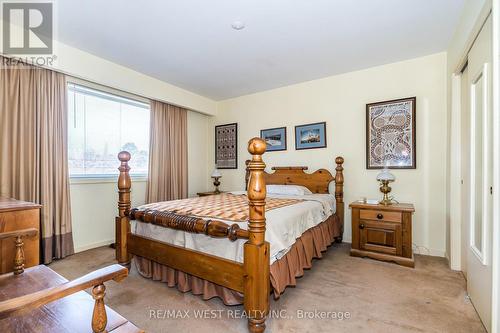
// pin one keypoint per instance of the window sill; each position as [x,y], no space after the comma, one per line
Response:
[103,180]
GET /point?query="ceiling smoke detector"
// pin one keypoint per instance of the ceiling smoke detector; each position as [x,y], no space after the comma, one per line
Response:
[238,25]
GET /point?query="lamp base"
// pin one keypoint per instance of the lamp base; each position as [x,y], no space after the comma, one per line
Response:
[216,184]
[386,189]
[385,202]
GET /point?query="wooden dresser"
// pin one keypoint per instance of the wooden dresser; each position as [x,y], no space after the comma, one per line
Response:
[16,215]
[382,232]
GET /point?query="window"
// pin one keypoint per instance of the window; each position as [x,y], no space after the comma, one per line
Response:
[100,125]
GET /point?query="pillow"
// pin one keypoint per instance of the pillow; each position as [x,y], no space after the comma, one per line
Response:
[287,189]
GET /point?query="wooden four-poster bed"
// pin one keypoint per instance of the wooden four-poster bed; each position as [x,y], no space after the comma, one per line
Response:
[251,277]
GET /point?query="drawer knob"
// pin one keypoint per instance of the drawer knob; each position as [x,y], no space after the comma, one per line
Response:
[361,226]
[380,216]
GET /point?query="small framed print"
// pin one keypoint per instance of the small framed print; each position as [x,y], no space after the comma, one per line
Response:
[390,134]
[310,136]
[226,146]
[275,138]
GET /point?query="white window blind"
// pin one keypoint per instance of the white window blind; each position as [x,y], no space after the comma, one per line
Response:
[100,125]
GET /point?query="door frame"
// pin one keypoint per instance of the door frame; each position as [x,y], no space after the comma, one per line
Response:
[454,178]
[495,306]
[490,8]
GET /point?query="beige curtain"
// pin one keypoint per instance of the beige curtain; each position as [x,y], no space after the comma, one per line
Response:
[33,150]
[167,179]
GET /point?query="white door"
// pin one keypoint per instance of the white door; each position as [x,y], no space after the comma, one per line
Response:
[465,167]
[480,212]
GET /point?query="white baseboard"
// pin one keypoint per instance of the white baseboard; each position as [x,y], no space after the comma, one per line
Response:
[93,245]
[429,252]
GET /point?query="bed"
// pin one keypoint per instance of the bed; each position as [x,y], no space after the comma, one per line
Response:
[219,245]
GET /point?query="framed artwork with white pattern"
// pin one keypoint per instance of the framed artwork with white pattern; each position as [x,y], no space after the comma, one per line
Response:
[390,134]
[226,146]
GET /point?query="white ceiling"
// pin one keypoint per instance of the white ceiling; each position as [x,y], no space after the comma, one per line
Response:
[190,43]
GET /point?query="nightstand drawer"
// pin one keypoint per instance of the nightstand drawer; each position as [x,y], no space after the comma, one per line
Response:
[380,215]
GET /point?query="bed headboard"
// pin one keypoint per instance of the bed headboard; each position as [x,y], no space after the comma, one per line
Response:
[316,182]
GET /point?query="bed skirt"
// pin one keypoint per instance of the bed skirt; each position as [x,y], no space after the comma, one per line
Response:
[283,272]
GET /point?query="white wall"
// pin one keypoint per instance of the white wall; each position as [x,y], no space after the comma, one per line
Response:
[84,65]
[94,202]
[340,101]
[89,67]
[198,170]
[93,211]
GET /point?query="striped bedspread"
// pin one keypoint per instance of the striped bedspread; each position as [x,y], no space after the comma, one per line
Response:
[225,206]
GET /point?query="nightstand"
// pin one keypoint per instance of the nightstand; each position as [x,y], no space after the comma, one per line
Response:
[382,232]
[204,194]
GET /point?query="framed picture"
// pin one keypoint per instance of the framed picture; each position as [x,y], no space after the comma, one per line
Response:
[310,136]
[390,134]
[275,138]
[226,146]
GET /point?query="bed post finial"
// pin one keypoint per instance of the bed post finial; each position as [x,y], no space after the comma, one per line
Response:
[124,184]
[256,250]
[122,222]
[339,193]
[257,191]
[339,179]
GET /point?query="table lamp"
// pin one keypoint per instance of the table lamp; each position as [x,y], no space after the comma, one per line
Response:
[385,177]
[216,175]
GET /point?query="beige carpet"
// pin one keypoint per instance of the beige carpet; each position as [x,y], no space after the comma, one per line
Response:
[377,297]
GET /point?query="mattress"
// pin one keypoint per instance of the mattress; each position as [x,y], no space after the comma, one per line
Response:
[283,226]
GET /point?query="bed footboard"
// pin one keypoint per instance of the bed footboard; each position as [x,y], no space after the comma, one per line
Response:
[216,229]
[252,277]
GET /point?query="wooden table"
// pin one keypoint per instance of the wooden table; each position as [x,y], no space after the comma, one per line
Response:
[382,232]
[71,314]
[16,215]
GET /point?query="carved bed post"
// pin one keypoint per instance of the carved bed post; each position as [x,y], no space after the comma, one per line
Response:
[256,250]
[122,220]
[247,174]
[339,193]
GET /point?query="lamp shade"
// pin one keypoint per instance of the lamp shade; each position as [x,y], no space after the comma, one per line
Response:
[216,173]
[385,174]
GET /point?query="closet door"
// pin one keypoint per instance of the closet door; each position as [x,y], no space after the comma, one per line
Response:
[465,168]
[479,246]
